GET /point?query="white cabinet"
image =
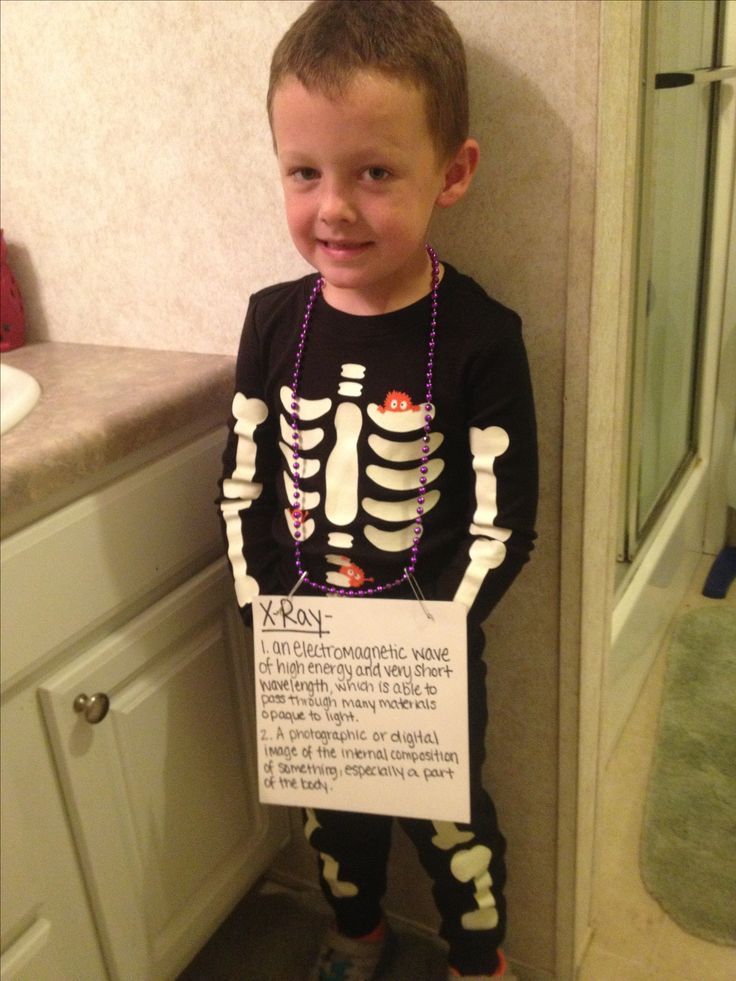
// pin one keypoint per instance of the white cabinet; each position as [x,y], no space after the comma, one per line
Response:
[157,830]
[161,791]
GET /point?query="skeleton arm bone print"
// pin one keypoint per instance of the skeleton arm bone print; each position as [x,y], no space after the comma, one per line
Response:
[240,490]
[247,502]
[503,448]
[488,549]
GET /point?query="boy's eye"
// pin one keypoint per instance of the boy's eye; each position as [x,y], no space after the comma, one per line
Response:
[304,173]
[376,173]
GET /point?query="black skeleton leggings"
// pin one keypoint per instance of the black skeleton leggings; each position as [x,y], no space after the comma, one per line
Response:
[464,861]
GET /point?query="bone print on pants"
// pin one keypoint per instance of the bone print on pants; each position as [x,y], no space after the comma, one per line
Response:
[464,861]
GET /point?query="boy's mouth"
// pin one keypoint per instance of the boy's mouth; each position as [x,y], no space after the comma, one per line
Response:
[342,247]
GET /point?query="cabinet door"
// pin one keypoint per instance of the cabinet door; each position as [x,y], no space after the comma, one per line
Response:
[162,792]
[47,930]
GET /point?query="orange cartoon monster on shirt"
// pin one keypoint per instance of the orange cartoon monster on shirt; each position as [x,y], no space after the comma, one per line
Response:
[354,573]
[398,402]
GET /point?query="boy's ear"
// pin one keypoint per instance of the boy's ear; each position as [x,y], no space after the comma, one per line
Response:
[459,173]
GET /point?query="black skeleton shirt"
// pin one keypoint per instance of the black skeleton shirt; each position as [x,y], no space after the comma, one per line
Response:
[361,408]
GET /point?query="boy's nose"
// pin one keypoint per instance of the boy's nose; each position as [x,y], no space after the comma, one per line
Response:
[335,205]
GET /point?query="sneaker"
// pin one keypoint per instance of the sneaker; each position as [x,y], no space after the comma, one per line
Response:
[502,972]
[344,959]
[506,976]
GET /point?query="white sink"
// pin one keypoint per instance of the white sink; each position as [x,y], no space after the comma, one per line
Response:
[19,392]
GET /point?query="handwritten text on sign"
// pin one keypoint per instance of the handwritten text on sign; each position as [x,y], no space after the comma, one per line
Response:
[361,705]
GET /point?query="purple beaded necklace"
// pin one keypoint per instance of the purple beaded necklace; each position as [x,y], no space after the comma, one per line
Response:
[296,457]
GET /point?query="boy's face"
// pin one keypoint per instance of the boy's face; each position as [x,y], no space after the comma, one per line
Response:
[361,177]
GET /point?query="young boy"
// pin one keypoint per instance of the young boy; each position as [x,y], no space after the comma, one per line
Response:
[383,421]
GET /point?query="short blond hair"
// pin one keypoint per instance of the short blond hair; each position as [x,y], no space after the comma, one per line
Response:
[410,40]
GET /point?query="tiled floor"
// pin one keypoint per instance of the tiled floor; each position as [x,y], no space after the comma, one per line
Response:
[635,939]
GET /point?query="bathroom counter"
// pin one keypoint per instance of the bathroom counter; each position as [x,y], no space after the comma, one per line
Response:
[102,411]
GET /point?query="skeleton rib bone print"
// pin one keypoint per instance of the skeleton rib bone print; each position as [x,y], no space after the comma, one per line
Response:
[402,452]
[398,510]
[404,480]
[344,471]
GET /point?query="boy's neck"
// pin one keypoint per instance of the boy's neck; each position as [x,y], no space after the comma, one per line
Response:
[377,301]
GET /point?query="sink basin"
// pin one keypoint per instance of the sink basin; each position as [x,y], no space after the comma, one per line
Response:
[19,392]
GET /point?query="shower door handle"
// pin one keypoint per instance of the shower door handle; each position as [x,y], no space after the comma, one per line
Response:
[701,76]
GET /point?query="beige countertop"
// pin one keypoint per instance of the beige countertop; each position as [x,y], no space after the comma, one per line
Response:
[101,410]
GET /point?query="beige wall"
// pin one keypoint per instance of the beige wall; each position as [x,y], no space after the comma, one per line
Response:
[141,205]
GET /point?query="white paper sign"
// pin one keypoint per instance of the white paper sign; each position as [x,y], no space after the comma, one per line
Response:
[361,705]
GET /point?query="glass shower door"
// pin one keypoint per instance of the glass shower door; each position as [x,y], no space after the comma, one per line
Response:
[678,143]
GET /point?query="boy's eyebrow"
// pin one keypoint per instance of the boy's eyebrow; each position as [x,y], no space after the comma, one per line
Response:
[371,152]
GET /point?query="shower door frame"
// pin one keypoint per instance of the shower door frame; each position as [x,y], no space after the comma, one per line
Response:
[650,587]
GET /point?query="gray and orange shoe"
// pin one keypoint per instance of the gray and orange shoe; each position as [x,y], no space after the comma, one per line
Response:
[344,959]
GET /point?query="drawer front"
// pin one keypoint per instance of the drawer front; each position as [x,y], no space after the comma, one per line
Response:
[70,572]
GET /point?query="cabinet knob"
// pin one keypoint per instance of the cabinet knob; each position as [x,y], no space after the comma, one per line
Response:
[93,707]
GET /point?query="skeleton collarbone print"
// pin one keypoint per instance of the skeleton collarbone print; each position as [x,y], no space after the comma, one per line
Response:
[361,410]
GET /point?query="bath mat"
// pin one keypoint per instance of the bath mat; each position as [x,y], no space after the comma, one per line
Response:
[688,854]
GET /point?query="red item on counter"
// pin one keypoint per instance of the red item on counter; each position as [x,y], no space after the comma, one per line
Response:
[12,319]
